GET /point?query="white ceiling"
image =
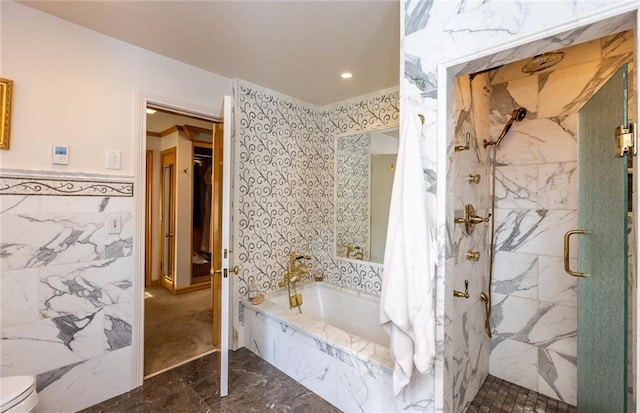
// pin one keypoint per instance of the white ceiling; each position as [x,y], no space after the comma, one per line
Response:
[161,121]
[298,48]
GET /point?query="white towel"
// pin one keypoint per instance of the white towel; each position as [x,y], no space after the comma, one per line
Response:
[406,305]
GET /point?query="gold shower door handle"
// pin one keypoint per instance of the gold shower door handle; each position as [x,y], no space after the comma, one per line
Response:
[567,267]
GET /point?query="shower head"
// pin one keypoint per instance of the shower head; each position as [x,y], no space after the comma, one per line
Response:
[517,115]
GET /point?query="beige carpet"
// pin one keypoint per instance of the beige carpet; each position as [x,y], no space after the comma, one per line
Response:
[176,327]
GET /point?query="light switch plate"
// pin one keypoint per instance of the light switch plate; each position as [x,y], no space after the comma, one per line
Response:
[112,160]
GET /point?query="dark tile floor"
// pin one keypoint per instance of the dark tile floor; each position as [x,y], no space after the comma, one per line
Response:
[254,386]
[500,396]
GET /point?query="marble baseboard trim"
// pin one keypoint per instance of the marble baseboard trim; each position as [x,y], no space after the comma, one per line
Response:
[25,182]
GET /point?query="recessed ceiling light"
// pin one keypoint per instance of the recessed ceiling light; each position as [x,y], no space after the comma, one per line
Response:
[346,75]
[150,111]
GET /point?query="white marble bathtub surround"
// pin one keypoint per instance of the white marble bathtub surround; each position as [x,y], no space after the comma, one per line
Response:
[352,373]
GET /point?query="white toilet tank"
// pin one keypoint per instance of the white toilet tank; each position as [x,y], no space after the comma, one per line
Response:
[18,394]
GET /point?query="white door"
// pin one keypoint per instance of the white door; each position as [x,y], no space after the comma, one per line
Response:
[220,234]
[223,294]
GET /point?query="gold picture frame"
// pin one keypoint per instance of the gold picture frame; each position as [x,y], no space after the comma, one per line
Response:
[6,87]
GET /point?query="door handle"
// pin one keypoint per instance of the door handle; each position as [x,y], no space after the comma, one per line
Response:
[168,234]
[235,269]
[567,267]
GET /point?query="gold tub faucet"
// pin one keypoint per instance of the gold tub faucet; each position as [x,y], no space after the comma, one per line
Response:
[297,269]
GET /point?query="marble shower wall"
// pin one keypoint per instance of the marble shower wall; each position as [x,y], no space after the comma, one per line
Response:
[534,302]
[477,36]
[466,344]
[66,285]
[285,183]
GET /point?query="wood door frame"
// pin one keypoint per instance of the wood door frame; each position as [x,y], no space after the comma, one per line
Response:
[143,99]
[168,153]
[148,219]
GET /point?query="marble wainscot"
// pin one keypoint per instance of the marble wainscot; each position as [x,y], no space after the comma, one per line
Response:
[325,348]
[66,285]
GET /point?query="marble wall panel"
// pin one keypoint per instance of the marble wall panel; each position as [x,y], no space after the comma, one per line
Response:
[77,386]
[466,355]
[437,32]
[66,285]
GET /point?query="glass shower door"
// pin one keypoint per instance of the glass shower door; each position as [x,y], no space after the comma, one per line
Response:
[602,252]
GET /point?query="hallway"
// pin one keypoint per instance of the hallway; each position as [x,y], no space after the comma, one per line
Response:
[177,327]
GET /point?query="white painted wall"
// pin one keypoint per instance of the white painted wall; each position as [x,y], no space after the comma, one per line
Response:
[77,87]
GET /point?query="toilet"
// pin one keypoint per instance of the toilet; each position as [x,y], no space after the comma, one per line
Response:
[18,394]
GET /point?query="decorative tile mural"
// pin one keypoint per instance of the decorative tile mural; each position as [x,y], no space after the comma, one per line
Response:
[66,286]
[286,184]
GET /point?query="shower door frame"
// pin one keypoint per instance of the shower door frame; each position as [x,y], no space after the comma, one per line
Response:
[518,49]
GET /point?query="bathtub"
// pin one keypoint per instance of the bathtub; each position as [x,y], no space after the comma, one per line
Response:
[336,347]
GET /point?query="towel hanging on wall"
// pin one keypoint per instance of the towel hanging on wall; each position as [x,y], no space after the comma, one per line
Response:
[406,304]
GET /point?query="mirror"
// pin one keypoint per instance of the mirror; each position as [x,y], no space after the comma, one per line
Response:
[365,165]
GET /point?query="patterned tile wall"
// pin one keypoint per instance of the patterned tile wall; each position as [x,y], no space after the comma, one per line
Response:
[66,285]
[286,183]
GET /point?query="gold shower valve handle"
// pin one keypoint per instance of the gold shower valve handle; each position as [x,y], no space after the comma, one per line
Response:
[470,218]
[462,294]
[466,146]
[473,255]
[473,179]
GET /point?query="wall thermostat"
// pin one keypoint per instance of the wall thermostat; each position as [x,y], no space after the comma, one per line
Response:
[60,155]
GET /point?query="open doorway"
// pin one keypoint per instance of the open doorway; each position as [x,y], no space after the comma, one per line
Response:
[179,239]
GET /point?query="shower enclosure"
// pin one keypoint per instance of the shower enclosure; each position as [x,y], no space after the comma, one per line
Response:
[534,202]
